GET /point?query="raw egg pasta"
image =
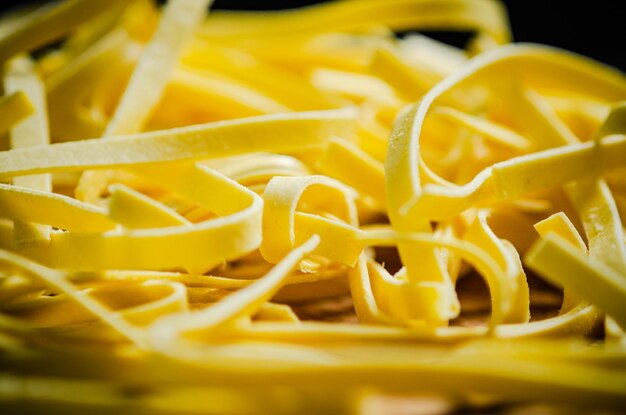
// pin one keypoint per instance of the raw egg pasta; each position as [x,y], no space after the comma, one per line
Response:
[286,212]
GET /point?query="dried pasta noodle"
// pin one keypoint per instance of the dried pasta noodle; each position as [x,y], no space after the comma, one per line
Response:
[178,189]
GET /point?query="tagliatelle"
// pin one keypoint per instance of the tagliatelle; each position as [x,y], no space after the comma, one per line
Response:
[298,212]
[13,108]
[483,16]
[31,132]
[49,24]
[179,20]
[607,290]
[281,132]
[23,204]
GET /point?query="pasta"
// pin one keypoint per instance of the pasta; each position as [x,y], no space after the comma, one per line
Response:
[284,212]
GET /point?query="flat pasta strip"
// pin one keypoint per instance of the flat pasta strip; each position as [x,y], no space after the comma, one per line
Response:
[133,210]
[302,212]
[178,22]
[484,16]
[14,108]
[212,140]
[57,280]
[555,259]
[47,24]
[27,205]
[31,132]
[346,162]
[560,224]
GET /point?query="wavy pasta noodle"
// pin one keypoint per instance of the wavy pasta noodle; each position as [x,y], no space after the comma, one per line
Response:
[300,212]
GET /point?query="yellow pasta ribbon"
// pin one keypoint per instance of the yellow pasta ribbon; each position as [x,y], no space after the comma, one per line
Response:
[14,108]
[156,64]
[276,132]
[29,133]
[292,212]
[484,16]
[555,259]
[47,24]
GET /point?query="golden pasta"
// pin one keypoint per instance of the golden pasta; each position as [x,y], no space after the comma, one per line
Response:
[300,212]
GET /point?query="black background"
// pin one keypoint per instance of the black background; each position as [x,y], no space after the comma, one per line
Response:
[595,28]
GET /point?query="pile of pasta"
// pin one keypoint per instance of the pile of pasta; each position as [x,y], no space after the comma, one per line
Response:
[279,212]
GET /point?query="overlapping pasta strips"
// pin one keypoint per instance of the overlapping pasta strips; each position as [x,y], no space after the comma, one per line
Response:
[300,212]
